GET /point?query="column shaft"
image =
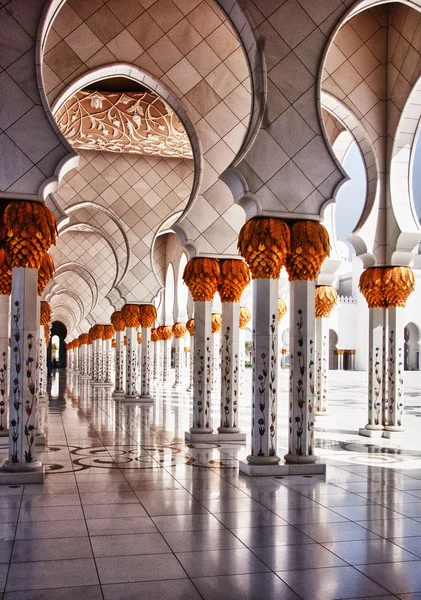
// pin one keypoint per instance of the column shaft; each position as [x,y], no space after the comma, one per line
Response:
[230,350]
[179,362]
[376,367]
[131,362]
[302,373]
[265,372]
[145,381]
[119,362]
[23,370]
[322,366]
[393,403]
[202,368]
[4,360]
[166,361]
[106,360]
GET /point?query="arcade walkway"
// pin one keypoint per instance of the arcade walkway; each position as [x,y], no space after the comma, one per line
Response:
[129,512]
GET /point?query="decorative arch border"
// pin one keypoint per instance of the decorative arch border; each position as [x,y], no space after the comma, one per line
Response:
[363,236]
[81,205]
[407,231]
[247,33]
[87,228]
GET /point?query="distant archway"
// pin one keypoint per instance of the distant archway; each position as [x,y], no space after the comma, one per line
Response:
[333,357]
[58,330]
[412,347]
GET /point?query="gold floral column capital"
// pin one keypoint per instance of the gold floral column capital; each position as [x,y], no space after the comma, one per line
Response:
[45,313]
[154,335]
[5,274]
[118,321]
[264,243]
[165,332]
[202,275]
[147,315]
[45,272]
[30,230]
[245,317]
[84,338]
[282,309]
[326,299]
[235,277]
[131,315]
[179,330]
[216,322]
[190,327]
[109,331]
[387,287]
[139,337]
[309,248]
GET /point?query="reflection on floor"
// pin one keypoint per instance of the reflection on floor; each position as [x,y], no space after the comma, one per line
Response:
[128,511]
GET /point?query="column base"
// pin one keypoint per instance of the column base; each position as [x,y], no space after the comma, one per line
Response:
[22,473]
[393,433]
[371,433]
[323,413]
[118,394]
[102,384]
[282,469]
[297,459]
[145,399]
[178,387]
[214,438]
[134,399]
[40,439]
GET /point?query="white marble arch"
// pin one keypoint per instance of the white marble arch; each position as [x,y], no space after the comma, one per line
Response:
[238,16]
[402,230]
[363,238]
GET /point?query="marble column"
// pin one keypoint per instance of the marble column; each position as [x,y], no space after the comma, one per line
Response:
[106,360]
[230,356]
[83,350]
[4,360]
[190,329]
[322,366]
[139,359]
[302,373]
[284,352]
[393,402]
[202,368]
[179,330]
[340,354]
[91,359]
[265,373]
[376,370]
[351,354]
[76,356]
[167,344]
[69,362]
[156,355]
[131,363]
[42,371]
[23,371]
[145,376]
[245,317]
[98,361]
[119,363]
[161,360]
[216,352]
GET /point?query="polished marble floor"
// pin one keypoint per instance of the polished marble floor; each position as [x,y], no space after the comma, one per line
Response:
[129,512]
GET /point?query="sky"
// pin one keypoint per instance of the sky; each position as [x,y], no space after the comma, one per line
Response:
[351,197]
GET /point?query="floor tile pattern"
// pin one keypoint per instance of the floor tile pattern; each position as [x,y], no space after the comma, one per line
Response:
[129,511]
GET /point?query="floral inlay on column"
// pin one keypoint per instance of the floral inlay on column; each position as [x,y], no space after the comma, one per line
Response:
[326,299]
[309,248]
[235,276]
